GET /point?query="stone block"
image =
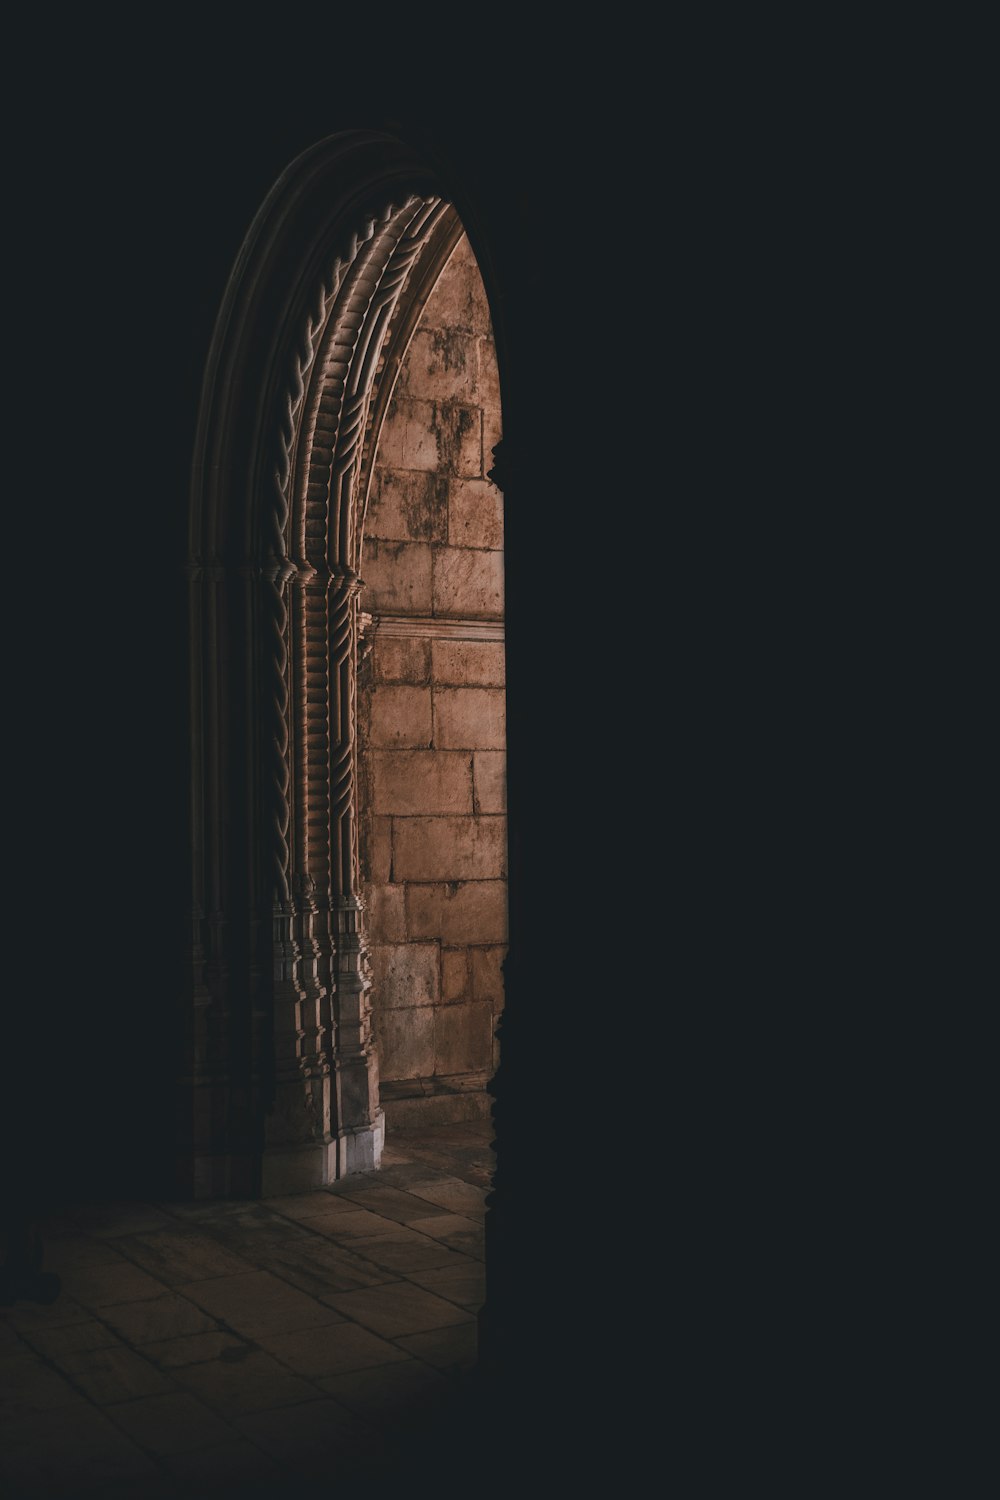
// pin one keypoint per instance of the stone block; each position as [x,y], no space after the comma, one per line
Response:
[400,718]
[166,1317]
[171,1424]
[454,975]
[400,660]
[470,912]
[442,364]
[447,848]
[405,974]
[492,433]
[255,1383]
[463,1038]
[387,914]
[468,583]
[414,782]
[381,849]
[459,299]
[468,663]
[397,578]
[488,375]
[113,1374]
[489,781]
[328,1351]
[469,718]
[407,439]
[399,1308]
[458,432]
[475,514]
[258,1303]
[487,975]
[405,1042]
[407,507]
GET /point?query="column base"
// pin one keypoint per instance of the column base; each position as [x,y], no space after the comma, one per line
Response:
[315,1164]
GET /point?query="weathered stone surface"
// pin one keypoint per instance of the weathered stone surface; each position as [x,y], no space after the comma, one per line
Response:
[407,438]
[462,1038]
[55,1342]
[193,1349]
[487,975]
[468,583]
[433,830]
[407,507]
[450,1349]
[405,1041]
[472,718]
[326,1351]
[397,577]
[405,974]
[400,1308]
[182,1255]
[468,663]
[108,1375]
[415,782]
[401,718]
[257,1303]
[387,914]
[256,1383]
[456,1197]
[442,364]
[432,849]
[165,1317]
[492,433]
[402,659]
[172,1424]
[103,1286]
[458,300]
[473,911]
[489,772]
[433,437]
[454,975]
[475,514]
[381,848]
[458,431]
[488,376]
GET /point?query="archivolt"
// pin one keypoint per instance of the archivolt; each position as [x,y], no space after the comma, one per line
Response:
[293,604]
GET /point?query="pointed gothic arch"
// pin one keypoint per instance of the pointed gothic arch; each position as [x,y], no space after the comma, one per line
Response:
[282,1088]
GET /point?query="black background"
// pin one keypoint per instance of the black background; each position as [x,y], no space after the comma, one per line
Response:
[673,229]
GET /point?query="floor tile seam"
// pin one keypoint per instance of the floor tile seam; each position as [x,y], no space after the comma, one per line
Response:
[161,1459]
[287,1282]
[352,1247]
[193,1280]
[105,1411]
[463,1307]
[316,1393]
[447,1374]
[121,1342]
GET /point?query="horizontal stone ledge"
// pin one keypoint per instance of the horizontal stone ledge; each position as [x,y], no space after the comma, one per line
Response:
[417,1088]
[435,628]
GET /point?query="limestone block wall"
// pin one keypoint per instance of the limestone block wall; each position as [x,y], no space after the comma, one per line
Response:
[433,832]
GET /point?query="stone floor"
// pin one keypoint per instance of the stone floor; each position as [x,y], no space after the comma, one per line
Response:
[251,1347]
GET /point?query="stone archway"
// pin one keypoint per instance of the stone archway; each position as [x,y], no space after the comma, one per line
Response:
[282,1088]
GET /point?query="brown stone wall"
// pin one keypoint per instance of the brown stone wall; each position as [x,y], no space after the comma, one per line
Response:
[431,716]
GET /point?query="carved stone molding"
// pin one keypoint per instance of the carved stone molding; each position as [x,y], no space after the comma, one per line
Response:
[278,935]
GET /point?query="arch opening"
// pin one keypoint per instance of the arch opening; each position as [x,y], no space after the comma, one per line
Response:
[283,1090]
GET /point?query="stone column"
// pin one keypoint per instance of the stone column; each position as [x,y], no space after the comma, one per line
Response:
[359,1122]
